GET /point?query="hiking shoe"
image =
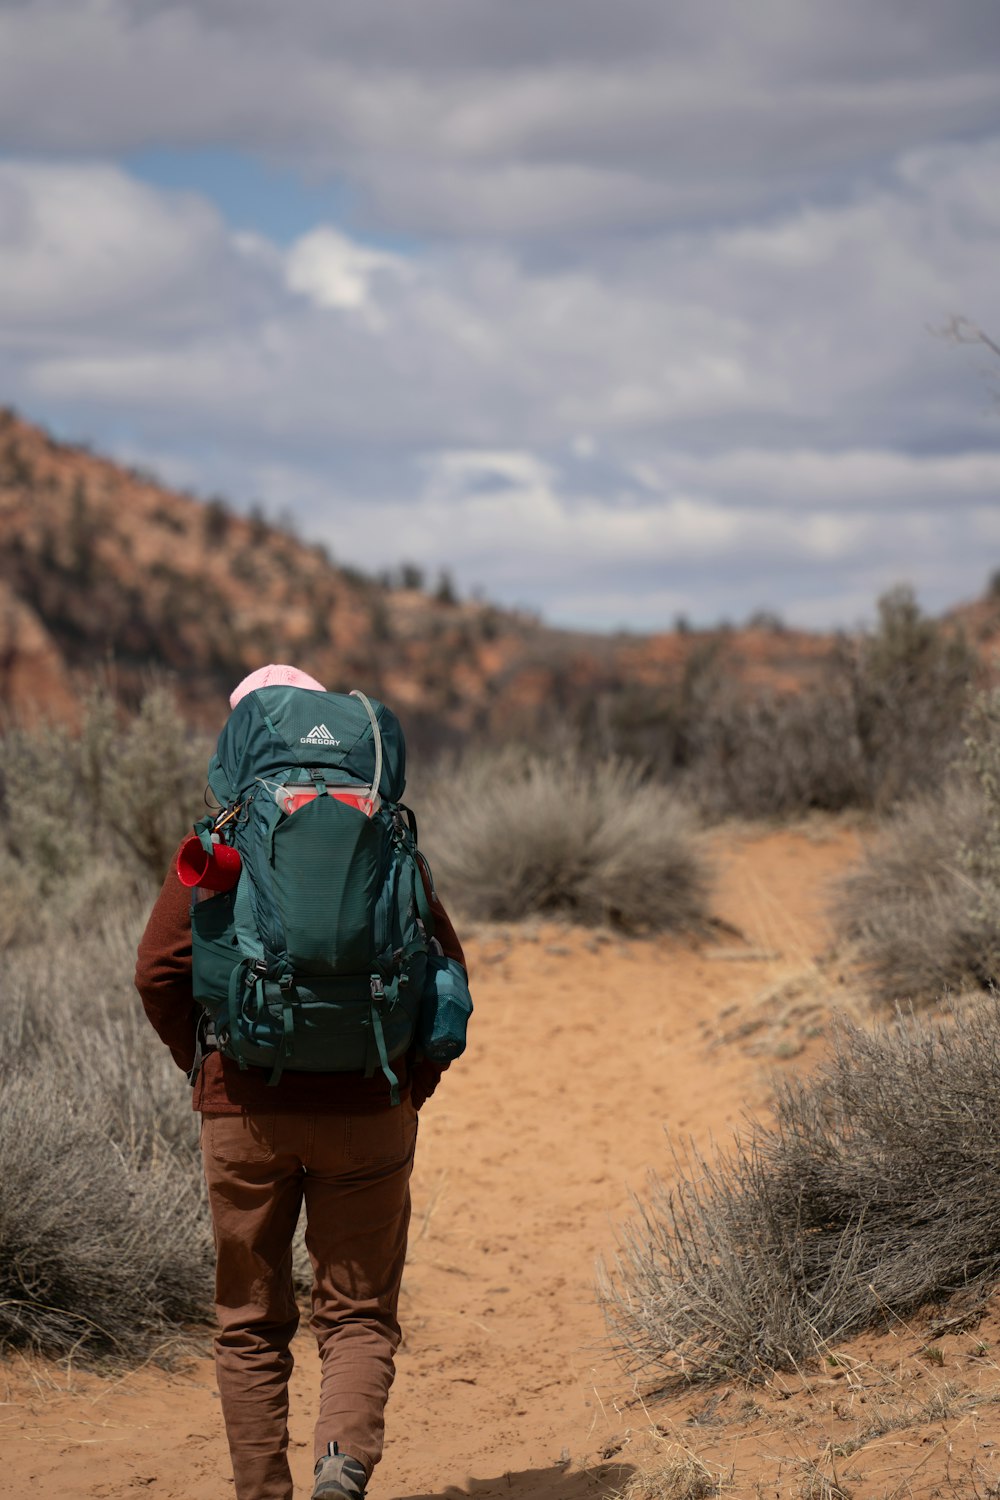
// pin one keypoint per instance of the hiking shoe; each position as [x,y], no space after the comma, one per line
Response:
[338,1477]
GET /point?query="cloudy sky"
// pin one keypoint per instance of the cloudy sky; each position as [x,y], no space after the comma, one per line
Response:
[617,311]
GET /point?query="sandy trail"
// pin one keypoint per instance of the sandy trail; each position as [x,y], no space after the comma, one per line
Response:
[583,1047]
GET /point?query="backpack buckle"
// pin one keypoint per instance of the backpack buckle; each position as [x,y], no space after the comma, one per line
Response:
[378,988]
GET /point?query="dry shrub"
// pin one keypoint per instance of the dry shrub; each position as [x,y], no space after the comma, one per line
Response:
[913,913]
[910,680]
[922,912]
[39,908]
[99,1239]
[815,1485]
[979,852]
[876,1190]
[105,1246]
[680,1475]
[88,822]
[512,835]
[121,783]
[947,1401]
[773,756]
[883,724]
[153,777]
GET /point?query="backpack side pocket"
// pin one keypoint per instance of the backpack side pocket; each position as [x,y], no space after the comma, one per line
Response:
[445,1008]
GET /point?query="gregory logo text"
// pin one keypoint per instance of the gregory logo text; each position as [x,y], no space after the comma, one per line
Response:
[318,735]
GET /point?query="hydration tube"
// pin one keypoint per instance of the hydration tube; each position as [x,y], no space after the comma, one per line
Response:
[377,779]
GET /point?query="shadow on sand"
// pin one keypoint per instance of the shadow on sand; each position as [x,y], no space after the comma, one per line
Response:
[556,1483]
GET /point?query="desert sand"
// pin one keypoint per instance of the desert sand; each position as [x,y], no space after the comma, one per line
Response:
[584,1048]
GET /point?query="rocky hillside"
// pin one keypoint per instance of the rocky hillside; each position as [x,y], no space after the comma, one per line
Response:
[102,567]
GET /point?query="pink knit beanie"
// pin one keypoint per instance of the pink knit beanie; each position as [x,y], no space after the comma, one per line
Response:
[274,676]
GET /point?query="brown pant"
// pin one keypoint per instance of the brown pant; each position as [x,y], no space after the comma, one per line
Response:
[354,1173]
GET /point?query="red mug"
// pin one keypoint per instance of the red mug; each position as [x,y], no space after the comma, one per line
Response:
[218,871]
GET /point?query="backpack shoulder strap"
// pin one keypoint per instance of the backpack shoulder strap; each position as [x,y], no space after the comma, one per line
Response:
[424,909]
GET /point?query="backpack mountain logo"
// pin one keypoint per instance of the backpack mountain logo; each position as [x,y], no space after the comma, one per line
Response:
[319,735]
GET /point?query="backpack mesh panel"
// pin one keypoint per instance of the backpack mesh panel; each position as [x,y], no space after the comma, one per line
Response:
[328,868]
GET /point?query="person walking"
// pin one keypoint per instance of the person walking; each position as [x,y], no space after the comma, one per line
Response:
[273,1140]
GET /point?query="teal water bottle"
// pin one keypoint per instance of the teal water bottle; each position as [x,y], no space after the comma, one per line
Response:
[445,1008]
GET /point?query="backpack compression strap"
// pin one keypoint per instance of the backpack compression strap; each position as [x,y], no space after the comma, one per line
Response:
[286,1047]
[248,979]
[378,1002]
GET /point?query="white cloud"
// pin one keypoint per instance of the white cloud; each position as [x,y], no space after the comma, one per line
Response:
[858,479]
[517,525]
[729,417]
[79,244]
[455,473]
[476,116]
[336,272]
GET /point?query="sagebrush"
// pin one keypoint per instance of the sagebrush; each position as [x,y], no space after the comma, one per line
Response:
[105,1239]
[513,835]
[89,820]
[105,1245]
[882,722]
[921,913]
[875,1190]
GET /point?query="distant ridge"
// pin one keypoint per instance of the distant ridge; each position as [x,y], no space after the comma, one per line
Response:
[100,565]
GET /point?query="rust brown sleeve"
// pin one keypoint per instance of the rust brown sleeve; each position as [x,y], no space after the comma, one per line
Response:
[443,929]
[163,970]
[445,932]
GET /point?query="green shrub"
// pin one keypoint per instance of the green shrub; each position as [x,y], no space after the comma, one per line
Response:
[876,1190]
[512,835]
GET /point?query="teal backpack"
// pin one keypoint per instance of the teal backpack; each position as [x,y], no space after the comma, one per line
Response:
[318,958]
